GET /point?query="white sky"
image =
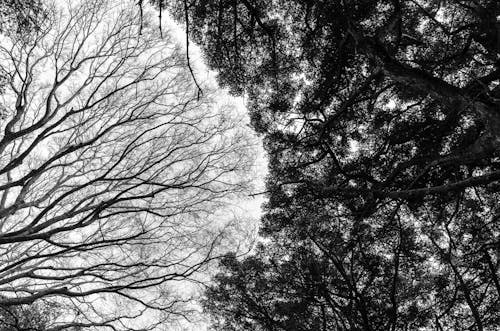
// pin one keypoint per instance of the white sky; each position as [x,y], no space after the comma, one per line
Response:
[250,209]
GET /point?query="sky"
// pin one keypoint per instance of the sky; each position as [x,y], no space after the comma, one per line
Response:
[202,72]
[251,208]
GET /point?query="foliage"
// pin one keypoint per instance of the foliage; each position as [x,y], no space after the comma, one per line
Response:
[381,122]
[34,317]
[21,17]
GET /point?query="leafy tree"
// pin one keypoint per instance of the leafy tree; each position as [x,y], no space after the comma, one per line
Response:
[277,292]
[382,127]
[111,170]
[21,16]
[34,317]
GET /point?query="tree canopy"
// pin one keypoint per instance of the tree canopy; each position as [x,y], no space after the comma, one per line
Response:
[21,16]
[382,124]
[34,317]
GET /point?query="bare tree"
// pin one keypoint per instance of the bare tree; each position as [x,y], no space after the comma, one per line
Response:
[110,169]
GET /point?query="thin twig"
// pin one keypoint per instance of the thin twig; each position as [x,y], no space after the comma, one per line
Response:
[253,195]
[186,17]
[141,14]
[160,7]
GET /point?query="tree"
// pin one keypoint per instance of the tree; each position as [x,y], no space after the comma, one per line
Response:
[115,178]
[382,126]
[271,291]
[35,317]
[20,16]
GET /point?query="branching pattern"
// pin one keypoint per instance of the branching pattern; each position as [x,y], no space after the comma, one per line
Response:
[110,168]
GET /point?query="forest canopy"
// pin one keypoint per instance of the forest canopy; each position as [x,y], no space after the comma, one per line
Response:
[118,166]
[382,124]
